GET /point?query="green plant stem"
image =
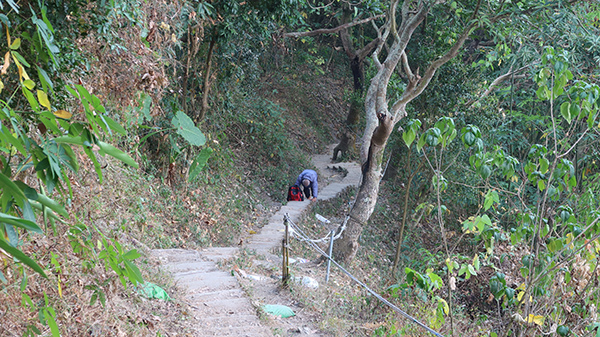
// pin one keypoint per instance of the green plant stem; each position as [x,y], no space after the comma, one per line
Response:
[437,171]
[406,198]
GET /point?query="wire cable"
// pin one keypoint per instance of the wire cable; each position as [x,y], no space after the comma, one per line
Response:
[388,303]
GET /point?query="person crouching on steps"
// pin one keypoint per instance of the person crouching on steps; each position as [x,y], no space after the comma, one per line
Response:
[307,180]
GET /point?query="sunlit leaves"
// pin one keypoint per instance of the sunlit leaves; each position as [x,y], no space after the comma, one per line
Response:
[565,110]
[199,162]
[43,99]
[477,224]
[410,132]
[16,44]
[185,127]
[62,114]
[490,198]
[443,132]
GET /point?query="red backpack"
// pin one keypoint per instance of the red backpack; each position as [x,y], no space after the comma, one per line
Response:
[295,194]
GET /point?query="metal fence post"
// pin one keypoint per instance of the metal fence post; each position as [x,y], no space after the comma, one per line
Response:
[285,254]
[329,259]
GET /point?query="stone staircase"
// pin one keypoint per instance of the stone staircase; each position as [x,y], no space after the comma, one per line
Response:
[218,301]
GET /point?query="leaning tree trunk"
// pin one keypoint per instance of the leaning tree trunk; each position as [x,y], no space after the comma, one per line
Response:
[346,246]
[381,118]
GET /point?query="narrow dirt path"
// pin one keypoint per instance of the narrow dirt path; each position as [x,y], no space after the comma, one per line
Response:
[219,303]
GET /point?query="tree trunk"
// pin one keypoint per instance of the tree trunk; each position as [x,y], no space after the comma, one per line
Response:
[206,85]
[346,246]
[381,119]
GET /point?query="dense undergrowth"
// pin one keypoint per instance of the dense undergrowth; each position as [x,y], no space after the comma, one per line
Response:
[96,258]
[272,105]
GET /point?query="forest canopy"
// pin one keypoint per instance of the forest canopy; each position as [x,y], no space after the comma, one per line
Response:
[475,122]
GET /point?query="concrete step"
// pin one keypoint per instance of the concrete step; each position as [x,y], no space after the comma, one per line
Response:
[182,267]
[209,281]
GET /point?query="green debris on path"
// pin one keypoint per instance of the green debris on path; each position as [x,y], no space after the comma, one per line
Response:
[278,310]
[152,291]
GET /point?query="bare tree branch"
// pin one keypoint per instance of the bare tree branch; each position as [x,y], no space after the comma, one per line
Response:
[409,95]
[332,30]
[497,82]
[407,69]
[411,19]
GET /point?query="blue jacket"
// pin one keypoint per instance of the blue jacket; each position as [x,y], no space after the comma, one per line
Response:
[312,177]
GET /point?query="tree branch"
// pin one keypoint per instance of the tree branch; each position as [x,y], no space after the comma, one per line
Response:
[410,21]
[409,95]
[332,30]
[366,50]
[497,82]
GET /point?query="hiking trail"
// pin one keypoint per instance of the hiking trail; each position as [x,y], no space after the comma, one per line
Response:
[216,297]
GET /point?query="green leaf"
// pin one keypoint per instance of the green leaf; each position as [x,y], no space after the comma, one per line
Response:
[408,137]
[20,58]
[558,89]
[436,280]
[469,139]
[94,160]
[133,273]
[565,215]
[485,171]
[11,189]
[496,288]
[476,263]
[543,93]
[45,79]
[486,220]
[7,136]
[16,44]
[421,142]
[52,204]
[11,234]
[463,269]
[544,164]
[114,152]
[114,125]
[22,223]
[132,255]
[199,163]
[490,198]
[524,272]
[49,314]
[151,290]
[565,111]
[48,211]
[510,292]
[22,257]
[574,111]
[30,98]
[410,274]
[541,185]
[555,245]
[445,305]
[186,128]
[563,330]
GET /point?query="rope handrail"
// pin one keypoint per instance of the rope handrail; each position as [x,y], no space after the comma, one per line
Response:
[388,303]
